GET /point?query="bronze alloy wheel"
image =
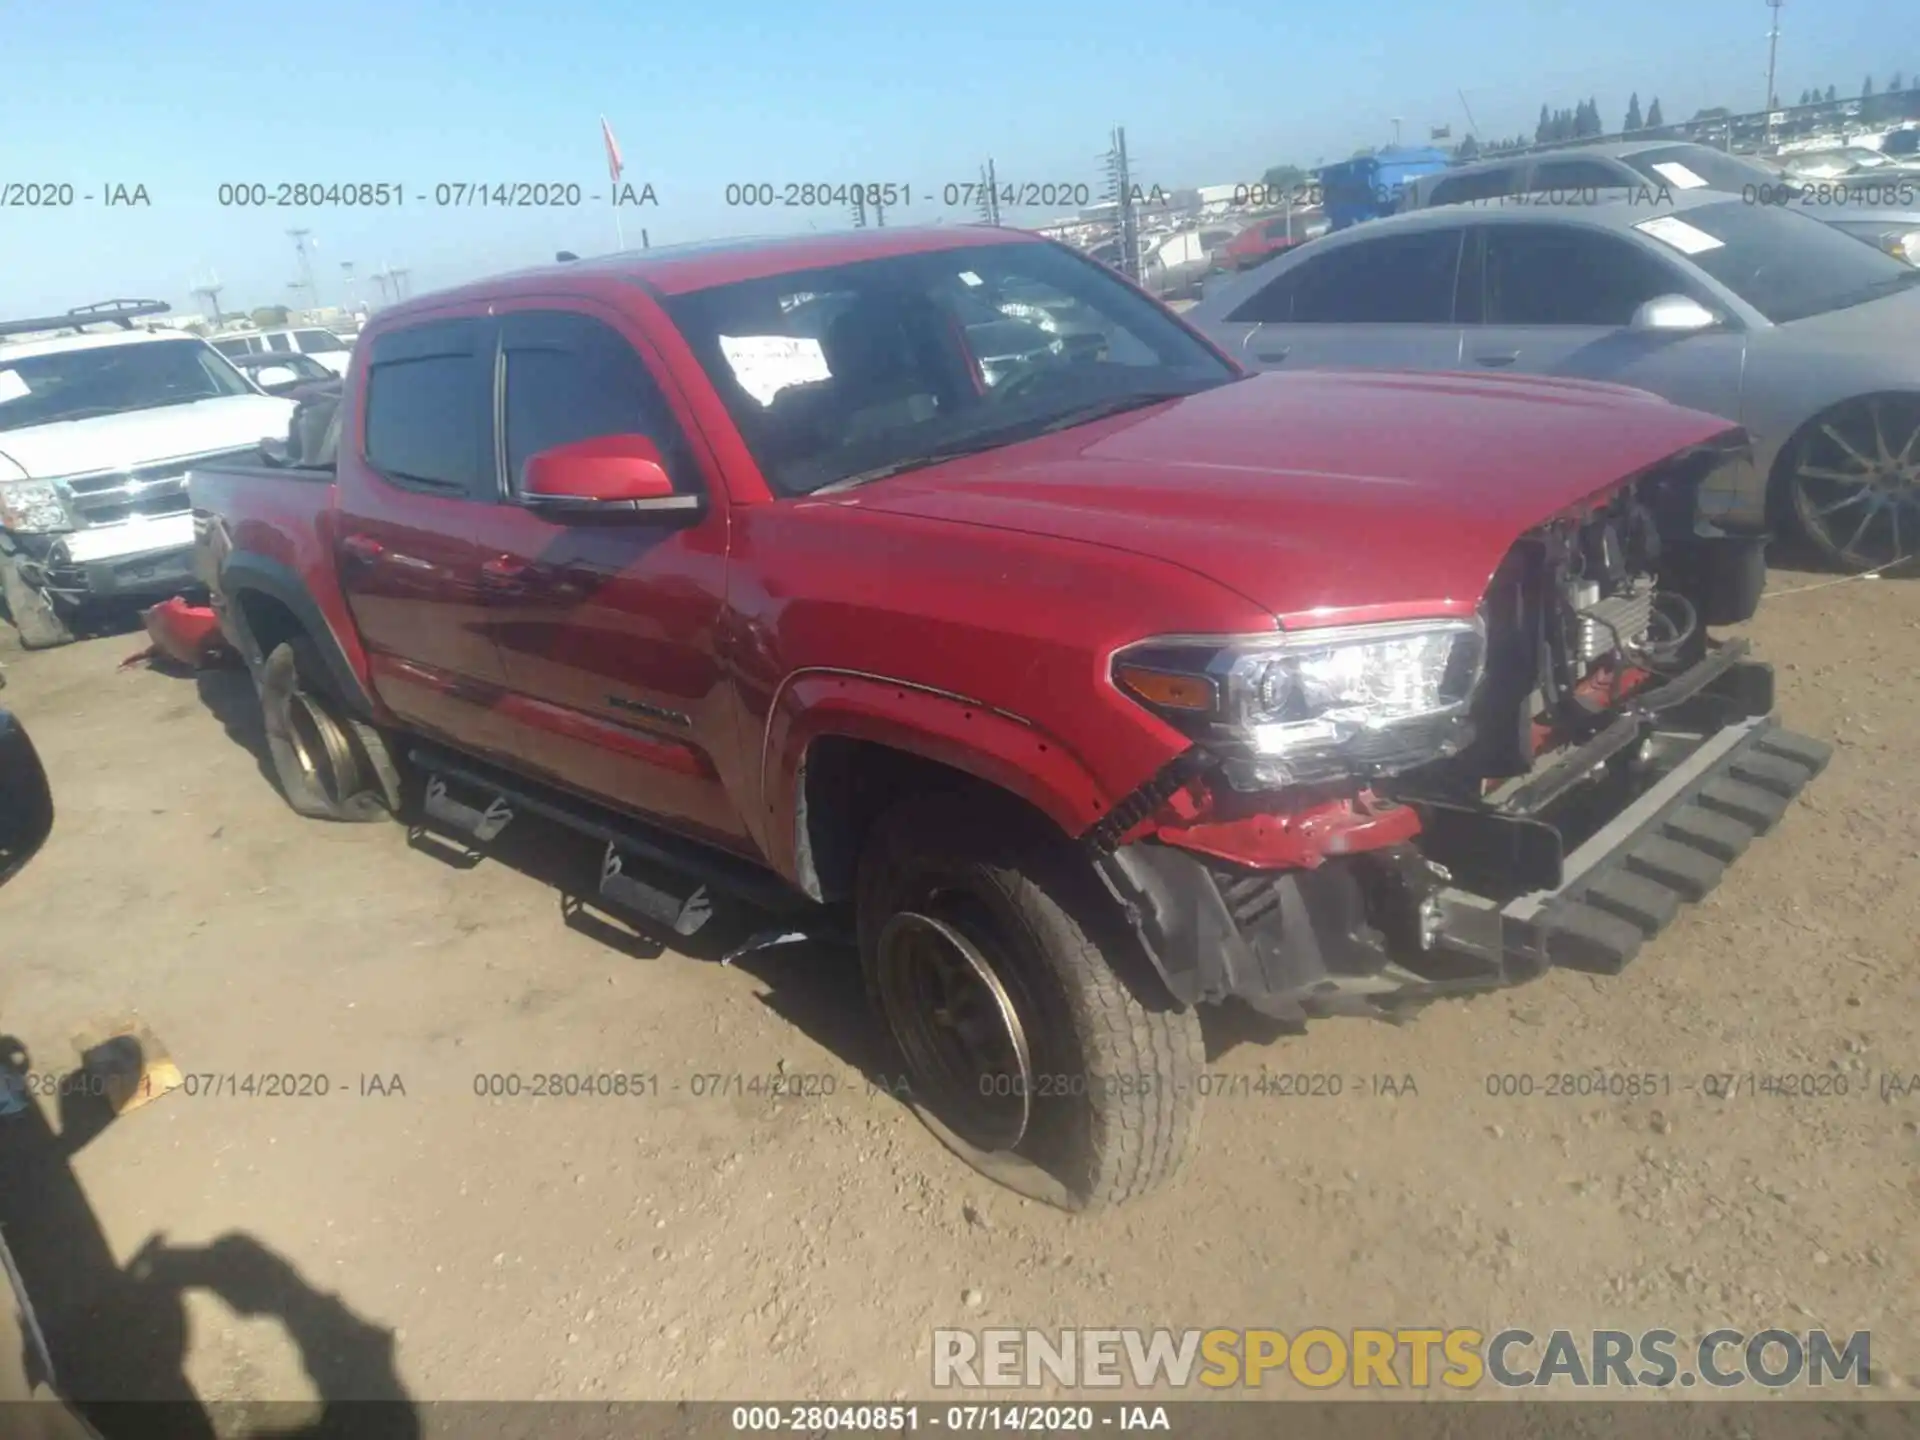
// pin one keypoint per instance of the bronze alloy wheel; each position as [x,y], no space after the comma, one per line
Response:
[958,1029]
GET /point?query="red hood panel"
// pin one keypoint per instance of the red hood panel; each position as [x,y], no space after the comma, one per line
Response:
[1362,492]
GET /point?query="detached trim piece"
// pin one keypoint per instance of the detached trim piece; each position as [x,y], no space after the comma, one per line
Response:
[1672,846]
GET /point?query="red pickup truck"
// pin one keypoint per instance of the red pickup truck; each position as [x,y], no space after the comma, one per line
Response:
[1091,679]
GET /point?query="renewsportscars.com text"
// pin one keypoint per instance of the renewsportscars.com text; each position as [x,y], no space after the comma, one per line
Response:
[1407,1358]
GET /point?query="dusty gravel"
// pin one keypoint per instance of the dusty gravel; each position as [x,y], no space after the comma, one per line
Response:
[674,1245]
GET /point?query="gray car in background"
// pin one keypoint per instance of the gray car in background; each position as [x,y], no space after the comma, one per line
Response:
[1884,210]
[1805,336]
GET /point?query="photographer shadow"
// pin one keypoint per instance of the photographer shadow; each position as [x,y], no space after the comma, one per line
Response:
[118,1336]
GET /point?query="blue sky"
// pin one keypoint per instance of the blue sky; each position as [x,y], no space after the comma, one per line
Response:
[183,98]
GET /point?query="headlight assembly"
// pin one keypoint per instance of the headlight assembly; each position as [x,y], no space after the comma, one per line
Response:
[33,507]
[1317,705]
[1903,245]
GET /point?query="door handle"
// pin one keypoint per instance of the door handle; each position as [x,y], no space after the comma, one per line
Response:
[1498,357]
[1273,356]
[362,549]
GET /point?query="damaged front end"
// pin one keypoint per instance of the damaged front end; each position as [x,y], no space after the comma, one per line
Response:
[1373,817]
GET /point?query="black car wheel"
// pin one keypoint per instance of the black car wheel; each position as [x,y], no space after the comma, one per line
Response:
[1035,1040]
[1854,482]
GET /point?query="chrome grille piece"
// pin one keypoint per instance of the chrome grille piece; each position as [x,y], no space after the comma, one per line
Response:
[112,497]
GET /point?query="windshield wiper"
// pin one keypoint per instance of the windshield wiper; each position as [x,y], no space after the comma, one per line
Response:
[1112,405]
[917,462]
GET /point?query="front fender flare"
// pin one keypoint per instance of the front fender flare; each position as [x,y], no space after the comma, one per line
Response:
[992,745]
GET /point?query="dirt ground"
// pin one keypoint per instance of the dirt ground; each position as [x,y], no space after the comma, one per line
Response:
[678,1245]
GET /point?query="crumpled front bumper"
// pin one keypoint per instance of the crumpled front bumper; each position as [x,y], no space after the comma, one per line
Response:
[1382,933]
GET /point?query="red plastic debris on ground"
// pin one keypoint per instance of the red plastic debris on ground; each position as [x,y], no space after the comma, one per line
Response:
[186,634]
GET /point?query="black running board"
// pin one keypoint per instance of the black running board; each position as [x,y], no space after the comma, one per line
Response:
[507,796]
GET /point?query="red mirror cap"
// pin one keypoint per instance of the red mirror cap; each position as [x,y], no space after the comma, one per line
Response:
[609,468]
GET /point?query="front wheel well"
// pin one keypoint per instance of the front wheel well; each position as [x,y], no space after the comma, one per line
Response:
[847,784]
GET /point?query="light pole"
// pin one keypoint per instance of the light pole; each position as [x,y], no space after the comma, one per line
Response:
[1396,132]
[1773,54]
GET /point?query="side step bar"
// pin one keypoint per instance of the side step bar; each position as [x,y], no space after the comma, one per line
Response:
[706,867]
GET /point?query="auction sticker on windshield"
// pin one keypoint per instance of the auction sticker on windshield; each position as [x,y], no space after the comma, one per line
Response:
[1678,175]
[1687,239]
[767,364]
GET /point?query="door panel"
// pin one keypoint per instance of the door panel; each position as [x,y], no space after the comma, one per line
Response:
[1371,303]
[609,626]
[406,548]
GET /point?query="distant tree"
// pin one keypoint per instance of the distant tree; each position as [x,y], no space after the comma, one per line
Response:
[1654,119]
[1467,149]
[1634,120]
[1543,132]
[1716,112]
[1594,127]
[1833,94]
[1284,177]
[1866,88]
[268,316]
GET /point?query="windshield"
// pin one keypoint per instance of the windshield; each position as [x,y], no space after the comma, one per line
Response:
[893,362]
[106,380]
[1784,264]
[320,342]
[1700,167]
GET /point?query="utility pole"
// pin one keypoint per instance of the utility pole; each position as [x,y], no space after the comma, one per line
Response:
[353,293]
[989,194]
[1396,132]
[1120,191]
[400,282]
[1773,54]
[306,265]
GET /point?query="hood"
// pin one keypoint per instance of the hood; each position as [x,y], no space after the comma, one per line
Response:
[141,437]
[1320,496]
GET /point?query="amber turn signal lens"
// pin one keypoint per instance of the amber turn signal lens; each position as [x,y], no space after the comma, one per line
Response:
[1172,692]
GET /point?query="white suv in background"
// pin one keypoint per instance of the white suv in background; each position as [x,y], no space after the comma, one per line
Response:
[323,345]
[97,432]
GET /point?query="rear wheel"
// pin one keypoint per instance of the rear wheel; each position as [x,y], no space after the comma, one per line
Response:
[41,626]
[1036,1043]
[331,765]
[1853,480]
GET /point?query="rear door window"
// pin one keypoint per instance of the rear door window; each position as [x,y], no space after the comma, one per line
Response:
[429,423]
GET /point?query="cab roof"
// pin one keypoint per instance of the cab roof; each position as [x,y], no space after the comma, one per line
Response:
[680,269]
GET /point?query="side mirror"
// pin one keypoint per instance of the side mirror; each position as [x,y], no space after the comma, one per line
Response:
[606,473]
[26,804]
[267,376]
[1673,315]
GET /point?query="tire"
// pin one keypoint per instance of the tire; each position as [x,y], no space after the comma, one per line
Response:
[1106,1062]
[41,626]
[1851,481]
[331,766]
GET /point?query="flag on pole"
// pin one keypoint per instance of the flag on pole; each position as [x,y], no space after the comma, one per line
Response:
[614,165]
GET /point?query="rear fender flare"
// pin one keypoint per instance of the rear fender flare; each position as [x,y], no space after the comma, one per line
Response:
[257,575]
[992,745]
